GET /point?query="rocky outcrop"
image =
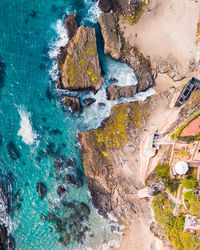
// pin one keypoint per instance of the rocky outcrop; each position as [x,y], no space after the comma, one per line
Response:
[102,151]
[112,39]
[89,101]
[117,48]
[78,62]
[73,103]
[114,92]
[125,7]
[105,5]
[70,25]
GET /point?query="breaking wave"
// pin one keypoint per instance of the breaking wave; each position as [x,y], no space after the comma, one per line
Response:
[26,132]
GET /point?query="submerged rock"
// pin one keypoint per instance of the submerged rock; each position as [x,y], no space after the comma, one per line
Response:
[3,235]
[89,101]
[78,62]
[73,103]
[12,151]
[2,72]
[115,92]
[41,189]
[105,5]
[61,190]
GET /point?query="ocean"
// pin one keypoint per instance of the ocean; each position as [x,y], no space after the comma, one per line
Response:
[38,139]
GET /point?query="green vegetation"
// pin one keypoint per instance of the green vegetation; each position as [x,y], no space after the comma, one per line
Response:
[172,225]
[188,195]
[180,129]
[138,12]
[188,183]
[172,186]
[181,152]
[114,134]
[162,171]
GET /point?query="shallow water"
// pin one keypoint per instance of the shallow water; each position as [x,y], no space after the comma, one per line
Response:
[34,129]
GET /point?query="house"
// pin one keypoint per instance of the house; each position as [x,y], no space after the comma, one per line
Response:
[192,223]
[190,87]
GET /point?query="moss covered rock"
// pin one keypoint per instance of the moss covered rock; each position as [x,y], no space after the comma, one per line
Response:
[79,63]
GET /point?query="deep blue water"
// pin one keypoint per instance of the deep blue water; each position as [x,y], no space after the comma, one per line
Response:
[33,121]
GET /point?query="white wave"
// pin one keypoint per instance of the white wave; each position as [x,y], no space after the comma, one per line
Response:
[61,40]
[93,12]
[120,71]
[26,132]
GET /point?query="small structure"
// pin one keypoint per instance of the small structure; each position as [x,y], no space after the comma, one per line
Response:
[181,167]
[192,223]
[191,86]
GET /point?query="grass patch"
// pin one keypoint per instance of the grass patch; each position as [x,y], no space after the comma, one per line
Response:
[162,171]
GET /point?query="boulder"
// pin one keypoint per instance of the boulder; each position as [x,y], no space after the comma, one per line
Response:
[112,39]
[118,49]
[70,25]
[89,101]
[41,189]
[115,92]
[73,103]
[105,5]
[78,62]
[61,190]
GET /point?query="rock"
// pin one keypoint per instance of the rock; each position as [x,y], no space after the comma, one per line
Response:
[3,235]
[102,151]
[88,101]
[115,92]
[61,190]
[70,25]
[117,48]
[78,62]
[10,243]
[125,7]
[71,179]
[112,39]
[112,80]
[101,104]
[73,103]
[41,189]
[105,5]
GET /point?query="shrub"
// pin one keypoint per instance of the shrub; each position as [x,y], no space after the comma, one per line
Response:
[188,183]
[162,171]
[188,195]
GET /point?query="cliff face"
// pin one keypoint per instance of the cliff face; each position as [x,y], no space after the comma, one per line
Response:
[103,152]
[78,61]
[117,48]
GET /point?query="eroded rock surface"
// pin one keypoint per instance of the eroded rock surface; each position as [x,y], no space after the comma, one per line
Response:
[73,103]
[114,92]
[105,5]
[117,48]
[70,25]
[103,152]
[78,62]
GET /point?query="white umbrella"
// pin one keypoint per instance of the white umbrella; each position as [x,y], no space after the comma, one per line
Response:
[181,167]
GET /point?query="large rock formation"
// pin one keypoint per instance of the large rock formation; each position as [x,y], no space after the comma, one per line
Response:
[78,61]
[117,48]
[112,39]
[114,92]
[103,152]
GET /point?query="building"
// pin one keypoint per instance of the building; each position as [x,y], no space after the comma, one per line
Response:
[192,223]
[190,87]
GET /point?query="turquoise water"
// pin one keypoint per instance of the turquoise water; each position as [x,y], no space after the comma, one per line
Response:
[33,121]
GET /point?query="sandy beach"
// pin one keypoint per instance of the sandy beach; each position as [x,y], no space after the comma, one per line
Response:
[166,32]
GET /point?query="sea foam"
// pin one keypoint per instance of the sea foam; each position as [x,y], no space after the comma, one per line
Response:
[93,12]
[26,132]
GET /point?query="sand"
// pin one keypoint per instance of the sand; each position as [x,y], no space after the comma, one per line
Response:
[167,31]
